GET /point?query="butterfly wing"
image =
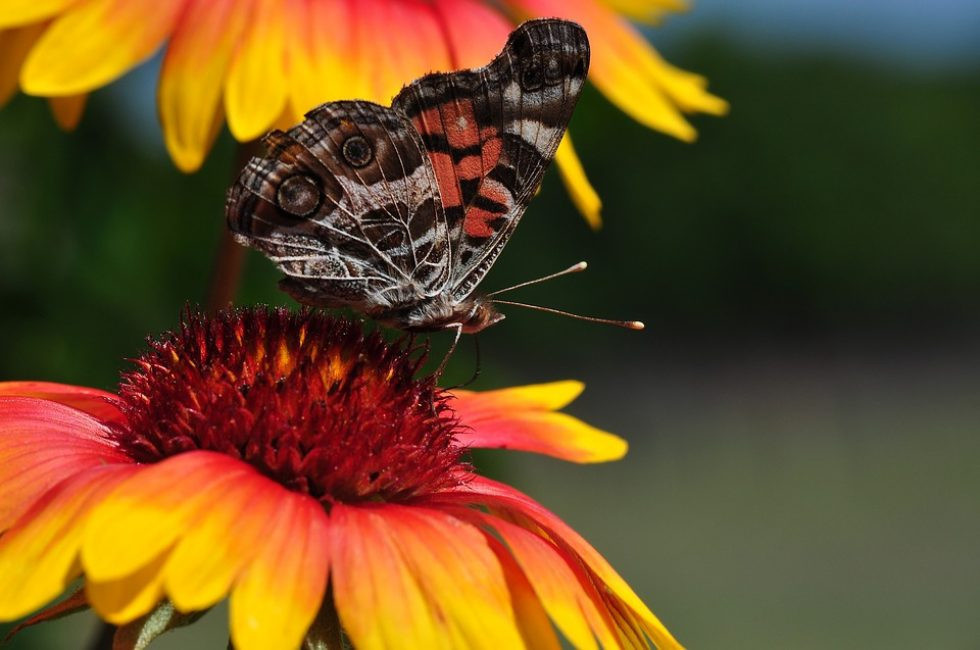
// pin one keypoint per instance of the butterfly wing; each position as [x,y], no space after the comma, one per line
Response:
[346,205]
[491,132]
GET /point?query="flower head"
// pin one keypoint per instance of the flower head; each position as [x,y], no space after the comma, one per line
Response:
[302,469]
[261,63]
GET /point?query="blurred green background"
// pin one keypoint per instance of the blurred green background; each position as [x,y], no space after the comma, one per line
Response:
[803,408]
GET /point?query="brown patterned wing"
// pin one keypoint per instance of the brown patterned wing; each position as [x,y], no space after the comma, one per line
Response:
[491,132]
[346,205]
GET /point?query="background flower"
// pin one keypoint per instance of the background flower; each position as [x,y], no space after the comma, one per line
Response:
[266,62]
[261,456]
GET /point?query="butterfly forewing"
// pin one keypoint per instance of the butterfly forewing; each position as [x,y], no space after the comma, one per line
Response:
[491,133]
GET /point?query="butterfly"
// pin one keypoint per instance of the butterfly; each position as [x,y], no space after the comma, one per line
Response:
[398,212]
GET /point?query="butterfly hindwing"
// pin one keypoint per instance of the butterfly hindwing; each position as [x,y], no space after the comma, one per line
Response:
[491,132]
[348,207]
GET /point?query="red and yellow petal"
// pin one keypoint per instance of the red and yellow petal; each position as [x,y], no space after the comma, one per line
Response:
[96,41]
[532,618]
[193,77]
[255,89]
[143,517]
[565,596]
[39,555]
[408,577]
[277,598]
[41,444]
[523,418]
[629,72]
[97,403]
[320,69]
[505,499]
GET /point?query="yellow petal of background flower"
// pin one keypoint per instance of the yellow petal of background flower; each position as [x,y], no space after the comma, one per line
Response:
[628,70]
[15,43]
[573,175]
[255,90]
[474,31]
[320,68]
[193,76]
[23,12]
[95,42]
[277,598]
[648,11]
[68,110]
[38,556]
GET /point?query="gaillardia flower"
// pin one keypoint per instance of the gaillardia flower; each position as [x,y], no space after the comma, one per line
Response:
[266,62]
[301,469]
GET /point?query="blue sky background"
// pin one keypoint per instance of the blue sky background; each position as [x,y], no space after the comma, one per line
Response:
[929,33]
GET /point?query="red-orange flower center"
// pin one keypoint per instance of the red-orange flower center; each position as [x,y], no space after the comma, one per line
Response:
[310,401]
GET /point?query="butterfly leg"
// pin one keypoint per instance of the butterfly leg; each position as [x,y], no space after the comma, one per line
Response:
[452,348]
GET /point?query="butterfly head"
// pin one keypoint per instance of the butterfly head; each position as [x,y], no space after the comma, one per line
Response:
[480,315]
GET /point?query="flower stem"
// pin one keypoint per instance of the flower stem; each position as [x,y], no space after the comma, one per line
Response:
[229,261]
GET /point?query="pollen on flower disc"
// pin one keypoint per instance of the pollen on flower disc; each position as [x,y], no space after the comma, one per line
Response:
[308,400]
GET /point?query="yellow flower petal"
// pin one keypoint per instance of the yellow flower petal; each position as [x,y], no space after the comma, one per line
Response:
[532,618]
[146,514]
[38,556]
[15,43]
[628,70]
[255,91]
[126,599]
[220,542]
[68,110]
[583,194]
[95,42]
[523,418]
[407,577]
[23,12]
[647,11]
[193,77]
[544,397]
[564,597]
[279,595]
[320,69]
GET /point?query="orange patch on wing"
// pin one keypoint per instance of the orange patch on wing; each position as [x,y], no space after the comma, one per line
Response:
[491,149]
[470,167]
[477,223]
[442,163]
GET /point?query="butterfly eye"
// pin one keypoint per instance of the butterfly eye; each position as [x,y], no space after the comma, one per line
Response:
[357,151]
[299,195]
[532,75]
[552,70]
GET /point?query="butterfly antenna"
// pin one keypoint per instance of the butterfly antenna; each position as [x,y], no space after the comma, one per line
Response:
[575,268]
[627,324]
